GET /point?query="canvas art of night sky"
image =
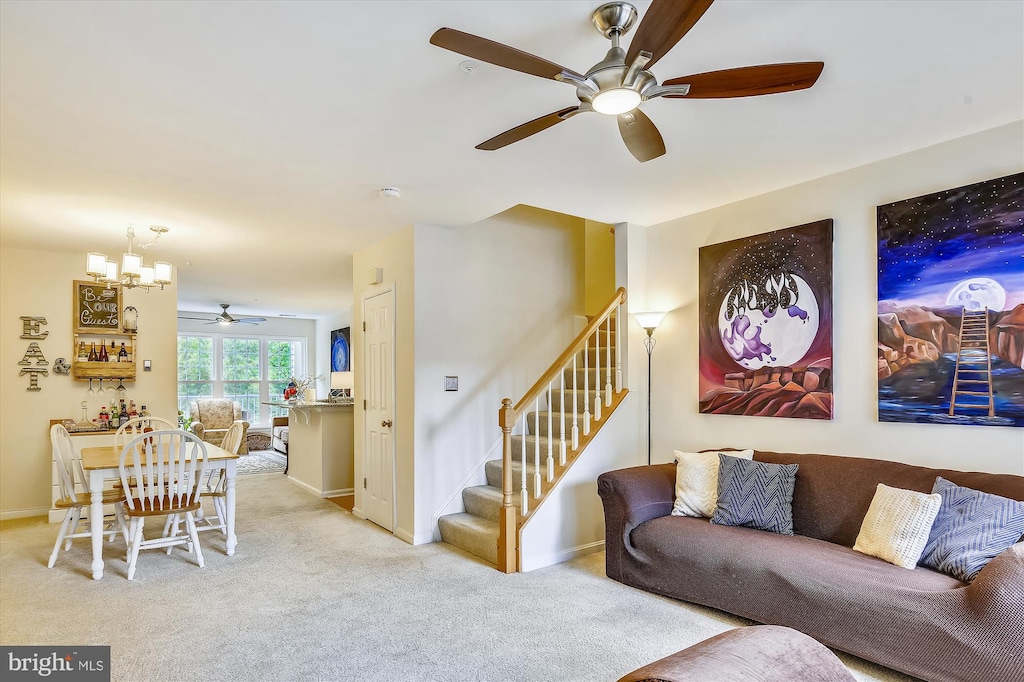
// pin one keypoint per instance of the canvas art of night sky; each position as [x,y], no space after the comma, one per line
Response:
[766,324]
[951,306]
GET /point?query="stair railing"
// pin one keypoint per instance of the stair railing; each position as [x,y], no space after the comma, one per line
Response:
[606,374]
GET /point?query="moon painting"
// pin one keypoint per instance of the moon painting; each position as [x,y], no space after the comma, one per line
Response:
[951,306]
[766,324]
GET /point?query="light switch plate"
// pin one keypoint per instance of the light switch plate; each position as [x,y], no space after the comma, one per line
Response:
[451,383]
[147,365]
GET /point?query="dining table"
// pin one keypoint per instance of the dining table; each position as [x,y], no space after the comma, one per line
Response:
[102,462]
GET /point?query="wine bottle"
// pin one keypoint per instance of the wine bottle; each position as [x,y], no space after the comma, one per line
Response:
[113,352]
[103,357]
[122,355]
[83,354]
[93,357]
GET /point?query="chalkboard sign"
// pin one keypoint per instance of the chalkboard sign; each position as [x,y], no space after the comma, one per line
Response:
[97,307]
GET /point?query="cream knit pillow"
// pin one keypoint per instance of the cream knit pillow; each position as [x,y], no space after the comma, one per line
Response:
[697,481]
[897,525]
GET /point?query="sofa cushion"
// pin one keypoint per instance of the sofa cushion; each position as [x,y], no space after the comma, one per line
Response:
[897,524]
[697,481]
[970,529]
[755,495]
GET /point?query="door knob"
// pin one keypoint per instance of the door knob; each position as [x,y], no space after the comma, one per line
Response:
[386,423]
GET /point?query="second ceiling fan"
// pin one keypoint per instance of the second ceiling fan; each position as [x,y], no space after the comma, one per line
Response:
[618,84]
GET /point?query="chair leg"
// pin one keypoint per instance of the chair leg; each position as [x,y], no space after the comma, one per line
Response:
[60,538]
[190,523]
[133,549]
[119,516]
[174,519]
[76,516]
[218,503]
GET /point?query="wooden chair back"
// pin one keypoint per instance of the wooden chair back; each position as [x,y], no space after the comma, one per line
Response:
[137,426]
[160,471]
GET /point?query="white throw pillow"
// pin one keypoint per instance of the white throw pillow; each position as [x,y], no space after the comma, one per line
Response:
[897,525]
[697,481]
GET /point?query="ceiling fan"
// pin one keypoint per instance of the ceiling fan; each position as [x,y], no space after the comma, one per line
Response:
[622,81]
[225,318]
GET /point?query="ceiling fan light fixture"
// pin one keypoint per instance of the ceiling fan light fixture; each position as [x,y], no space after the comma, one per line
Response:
[616,101]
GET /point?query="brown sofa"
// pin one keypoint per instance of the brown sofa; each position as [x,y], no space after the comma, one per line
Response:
[919,621]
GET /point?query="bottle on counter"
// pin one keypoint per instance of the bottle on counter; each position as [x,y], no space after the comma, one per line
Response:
[115,416]
[122,355]
[103,357]
[131,409]
[143,412]
[93,356]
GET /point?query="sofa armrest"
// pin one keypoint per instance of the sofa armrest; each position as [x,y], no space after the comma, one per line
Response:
[996,591]
[630,497]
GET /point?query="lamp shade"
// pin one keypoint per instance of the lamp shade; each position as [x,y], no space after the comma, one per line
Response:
[147,275]
[162,272]
[96,264]
[341,380]
[131,264]
[111,270]
[649,319]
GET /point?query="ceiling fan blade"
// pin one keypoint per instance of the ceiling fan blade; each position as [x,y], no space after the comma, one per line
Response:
[496,53]
[665,22]
[525,130]
[641,136]
[250,320]
[201,319]
[748,81]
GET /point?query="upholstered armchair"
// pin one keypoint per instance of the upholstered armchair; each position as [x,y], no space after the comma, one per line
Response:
[212,417]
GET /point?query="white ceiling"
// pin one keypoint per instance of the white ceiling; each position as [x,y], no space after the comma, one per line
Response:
[260,132]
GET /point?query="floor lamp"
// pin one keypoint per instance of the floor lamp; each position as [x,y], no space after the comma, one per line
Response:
[649,321]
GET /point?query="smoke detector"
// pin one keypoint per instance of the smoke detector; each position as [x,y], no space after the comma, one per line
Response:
[390,193]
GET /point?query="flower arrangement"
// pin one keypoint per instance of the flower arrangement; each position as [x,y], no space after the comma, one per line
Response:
[297,387]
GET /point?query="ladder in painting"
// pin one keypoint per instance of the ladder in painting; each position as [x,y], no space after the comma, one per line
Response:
[972,378]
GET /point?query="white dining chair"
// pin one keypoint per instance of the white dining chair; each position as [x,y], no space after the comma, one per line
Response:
[160,471]
[214,487]
[136,426]
[70,475]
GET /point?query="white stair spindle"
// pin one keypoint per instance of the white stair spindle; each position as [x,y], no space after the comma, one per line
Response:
[608,364]
[561,426]
[551,441]
[618,349]
[597,374]
[575,425]
[536,448]
[586,388]
[524,489]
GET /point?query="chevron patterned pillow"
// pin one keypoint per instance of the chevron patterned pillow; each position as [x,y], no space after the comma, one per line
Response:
[755,494]
[971,528]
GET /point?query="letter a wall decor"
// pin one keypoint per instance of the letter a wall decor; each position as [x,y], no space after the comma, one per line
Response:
[951,306]
[766,324]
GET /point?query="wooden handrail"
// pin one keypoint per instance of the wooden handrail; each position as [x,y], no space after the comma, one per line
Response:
[576,346]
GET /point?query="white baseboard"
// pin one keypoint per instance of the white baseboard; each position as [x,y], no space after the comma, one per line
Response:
[304,486]
[535,562]
[27,513]
[414,539]
[338,492]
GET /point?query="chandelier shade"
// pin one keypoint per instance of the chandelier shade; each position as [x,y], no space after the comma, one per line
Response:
[134,271]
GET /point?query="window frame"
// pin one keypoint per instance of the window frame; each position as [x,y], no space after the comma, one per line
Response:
[262,419]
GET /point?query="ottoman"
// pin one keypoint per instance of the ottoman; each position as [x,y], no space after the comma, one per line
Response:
[759,653]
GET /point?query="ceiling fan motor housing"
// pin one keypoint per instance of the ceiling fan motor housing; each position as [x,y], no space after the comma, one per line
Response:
[614,17]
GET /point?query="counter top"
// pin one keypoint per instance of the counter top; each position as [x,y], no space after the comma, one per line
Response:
[299,406]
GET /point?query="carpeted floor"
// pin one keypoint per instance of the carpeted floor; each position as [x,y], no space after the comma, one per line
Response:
[313,593]
[261,462]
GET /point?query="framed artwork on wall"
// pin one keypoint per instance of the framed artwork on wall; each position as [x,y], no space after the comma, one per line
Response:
[766,324]
[951,306]
[340,361]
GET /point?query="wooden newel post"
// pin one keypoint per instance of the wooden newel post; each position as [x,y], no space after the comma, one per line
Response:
[507,520]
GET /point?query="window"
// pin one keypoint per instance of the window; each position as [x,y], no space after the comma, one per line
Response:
[249,369]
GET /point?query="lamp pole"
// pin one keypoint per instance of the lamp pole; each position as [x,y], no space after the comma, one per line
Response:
[649,343]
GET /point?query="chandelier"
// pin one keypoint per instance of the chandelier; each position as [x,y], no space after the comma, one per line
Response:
[134,273]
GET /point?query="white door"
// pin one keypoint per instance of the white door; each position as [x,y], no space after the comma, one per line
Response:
[379,390]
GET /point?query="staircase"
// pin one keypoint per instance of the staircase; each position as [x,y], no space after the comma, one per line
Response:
[544,434]
[972,379]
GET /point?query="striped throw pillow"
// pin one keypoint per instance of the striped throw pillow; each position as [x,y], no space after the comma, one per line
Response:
[971,528]
[755,494]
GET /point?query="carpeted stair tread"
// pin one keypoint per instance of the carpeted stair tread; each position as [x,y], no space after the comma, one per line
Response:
[472,534]
[555,399]
[492,470]
[483,501]
[540,424]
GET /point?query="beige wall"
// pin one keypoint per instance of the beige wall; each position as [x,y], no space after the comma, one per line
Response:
[39,283]
[850,198]
[599,272]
